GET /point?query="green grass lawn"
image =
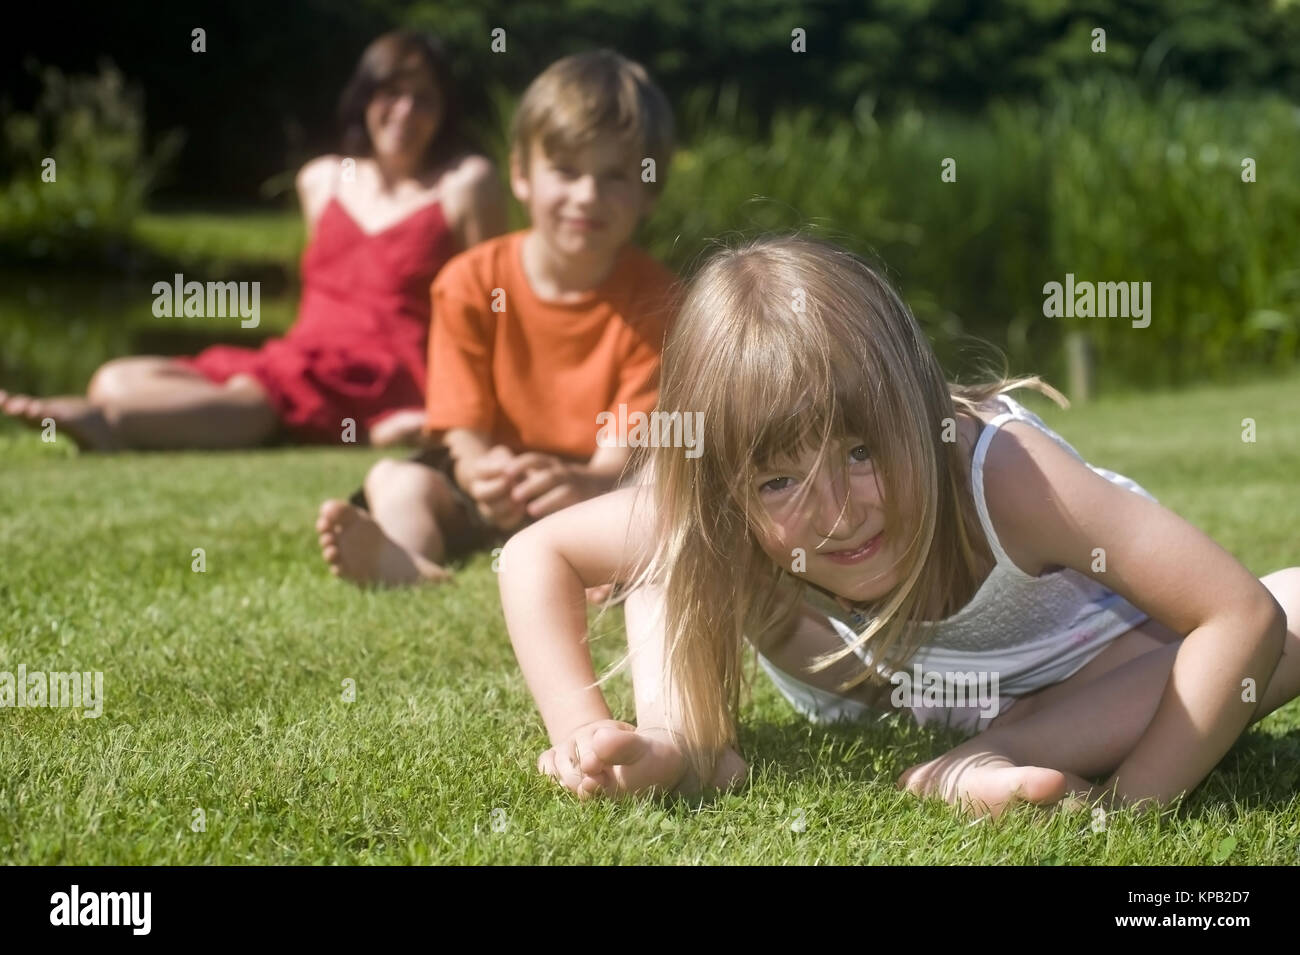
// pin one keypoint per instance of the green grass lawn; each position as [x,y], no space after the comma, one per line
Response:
[212,239]
[223,690]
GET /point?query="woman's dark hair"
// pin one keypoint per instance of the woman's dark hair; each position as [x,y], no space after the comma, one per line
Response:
[382,60]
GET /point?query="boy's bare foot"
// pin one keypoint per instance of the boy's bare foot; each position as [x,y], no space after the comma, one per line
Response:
[73,415]
[986,784]
[357,549]
[400,427]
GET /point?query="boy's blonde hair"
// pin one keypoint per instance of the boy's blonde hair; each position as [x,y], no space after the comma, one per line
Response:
[587,95]
[789,342]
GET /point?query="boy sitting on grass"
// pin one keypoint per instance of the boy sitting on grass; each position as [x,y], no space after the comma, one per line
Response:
[534,335]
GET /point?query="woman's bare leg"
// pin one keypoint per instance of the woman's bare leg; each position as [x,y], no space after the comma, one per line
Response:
[157,404]
[152,403]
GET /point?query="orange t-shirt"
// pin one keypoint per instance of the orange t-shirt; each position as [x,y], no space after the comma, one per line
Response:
[532,374]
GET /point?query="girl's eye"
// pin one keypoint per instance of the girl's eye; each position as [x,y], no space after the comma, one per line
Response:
[861,453]
[777,484]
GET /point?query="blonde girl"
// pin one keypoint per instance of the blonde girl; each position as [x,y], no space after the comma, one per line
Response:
[862,522]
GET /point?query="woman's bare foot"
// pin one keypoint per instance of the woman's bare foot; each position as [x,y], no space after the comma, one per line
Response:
[400,427]
[357,549]
[72,415]
[986,784]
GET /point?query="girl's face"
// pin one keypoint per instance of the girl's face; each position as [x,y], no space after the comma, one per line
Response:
[404,113]
[829,528]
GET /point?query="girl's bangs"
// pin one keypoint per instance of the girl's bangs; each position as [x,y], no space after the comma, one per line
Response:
[807,412]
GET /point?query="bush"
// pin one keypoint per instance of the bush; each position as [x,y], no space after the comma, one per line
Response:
[92,129]
[1153,190]
[1100,180]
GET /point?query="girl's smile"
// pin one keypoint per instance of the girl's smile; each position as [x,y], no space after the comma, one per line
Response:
[857,554]
[835,518]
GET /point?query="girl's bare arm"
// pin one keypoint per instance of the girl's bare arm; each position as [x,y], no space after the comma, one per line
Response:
[545,570]
[1204,707]
[1049,506]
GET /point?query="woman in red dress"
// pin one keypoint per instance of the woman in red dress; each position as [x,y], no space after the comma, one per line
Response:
[382,221]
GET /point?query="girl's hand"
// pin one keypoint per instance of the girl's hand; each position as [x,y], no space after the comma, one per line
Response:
[598,595]
[565,761]
[614,759]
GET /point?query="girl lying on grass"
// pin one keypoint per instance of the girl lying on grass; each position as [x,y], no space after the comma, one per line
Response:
[855,516]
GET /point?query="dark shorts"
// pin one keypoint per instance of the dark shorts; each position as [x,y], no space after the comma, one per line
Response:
[474,532]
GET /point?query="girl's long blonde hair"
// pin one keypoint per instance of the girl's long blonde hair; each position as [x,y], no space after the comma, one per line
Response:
[785,342]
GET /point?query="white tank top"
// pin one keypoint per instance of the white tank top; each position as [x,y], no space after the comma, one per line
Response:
[1034,631]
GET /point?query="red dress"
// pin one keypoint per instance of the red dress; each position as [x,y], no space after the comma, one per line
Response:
[359,347]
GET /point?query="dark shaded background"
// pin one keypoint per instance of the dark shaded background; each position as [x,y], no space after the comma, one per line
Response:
[262,98]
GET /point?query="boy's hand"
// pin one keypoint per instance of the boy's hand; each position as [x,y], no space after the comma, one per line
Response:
[487,481]
[545,484]
[482,469]
[614,759]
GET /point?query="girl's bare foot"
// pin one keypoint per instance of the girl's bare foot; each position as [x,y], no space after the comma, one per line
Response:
[400,427]
[986,784]
[72,415]
[357,549]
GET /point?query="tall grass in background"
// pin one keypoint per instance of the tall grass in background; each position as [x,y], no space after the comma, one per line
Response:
[1096,179]
[1102,179]
[1151,190]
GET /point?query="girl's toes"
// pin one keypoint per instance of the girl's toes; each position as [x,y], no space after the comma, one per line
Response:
[912,780]
[996,790]
[1042,786]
